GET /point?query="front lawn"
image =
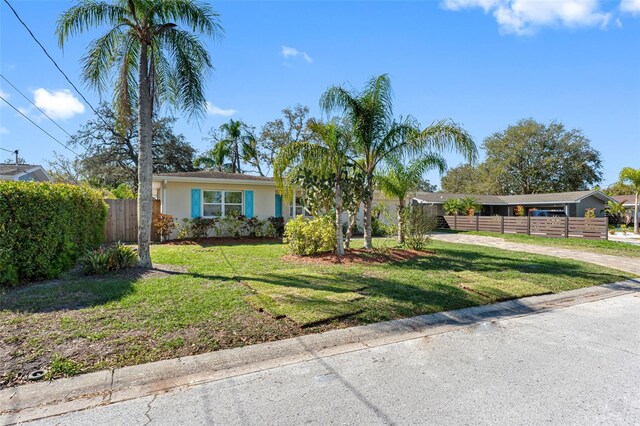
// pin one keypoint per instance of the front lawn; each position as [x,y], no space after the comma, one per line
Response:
[614,248]
[221,296]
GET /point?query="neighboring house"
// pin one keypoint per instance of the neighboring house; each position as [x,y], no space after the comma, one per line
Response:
[215,194]
[573,204]
[25,172]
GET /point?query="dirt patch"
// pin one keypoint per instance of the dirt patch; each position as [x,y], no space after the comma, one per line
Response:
[359,256]
[220,241]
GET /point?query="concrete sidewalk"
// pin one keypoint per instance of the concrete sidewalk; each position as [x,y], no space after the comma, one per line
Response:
[140,384]
[626,264]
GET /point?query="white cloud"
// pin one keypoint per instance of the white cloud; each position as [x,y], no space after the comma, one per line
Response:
[4,94]
[214,110]
[58,104]
[3,130]
[292,52]
[631,6]
[524,17]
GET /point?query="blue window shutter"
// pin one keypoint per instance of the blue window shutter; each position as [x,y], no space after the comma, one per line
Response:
[278,205]
[248,203]
[196,203]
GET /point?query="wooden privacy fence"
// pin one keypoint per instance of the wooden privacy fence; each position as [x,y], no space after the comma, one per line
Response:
[122,221]
[553,227]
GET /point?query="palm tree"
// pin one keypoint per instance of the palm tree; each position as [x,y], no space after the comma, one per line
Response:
[377,136]
[469,205]
[215,158]
[325,156]
[452,206]
[398,179]
[153,60]
[615,210]
[631,177]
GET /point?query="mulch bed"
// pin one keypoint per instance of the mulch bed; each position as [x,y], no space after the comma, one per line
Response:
[359,256]
[220,241]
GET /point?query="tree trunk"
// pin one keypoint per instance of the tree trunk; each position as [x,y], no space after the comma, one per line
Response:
[145,159]
[635,219]
[368,206]
[338,199]
[401,221]
[351,223]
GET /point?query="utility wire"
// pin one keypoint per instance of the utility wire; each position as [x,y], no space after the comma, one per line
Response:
[8,150]
[49,56]
[35,124]
[36,106]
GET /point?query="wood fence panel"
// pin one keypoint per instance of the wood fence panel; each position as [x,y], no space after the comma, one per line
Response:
[122,221]
[591,228]
[490,223]
[515,225]
[466,223]
[553,227]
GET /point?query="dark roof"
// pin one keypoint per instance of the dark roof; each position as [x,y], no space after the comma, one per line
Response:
[12,169]
[556,197]
[215,175]
[625,199]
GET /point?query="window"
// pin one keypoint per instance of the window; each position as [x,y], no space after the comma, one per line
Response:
[221,203]
[297,208]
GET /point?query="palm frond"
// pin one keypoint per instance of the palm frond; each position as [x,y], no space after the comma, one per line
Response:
[88,14]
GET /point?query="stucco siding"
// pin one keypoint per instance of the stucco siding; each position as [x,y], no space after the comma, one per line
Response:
[177,195]
[588,203]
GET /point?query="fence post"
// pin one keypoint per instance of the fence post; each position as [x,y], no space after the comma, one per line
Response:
[566,226]
[606,228]
[455,221]
[502,224]
[477,223]
[529,224]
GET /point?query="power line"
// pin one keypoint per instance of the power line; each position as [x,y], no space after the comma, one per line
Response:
[36,106]
[49,56]
[35,124]
[8,150]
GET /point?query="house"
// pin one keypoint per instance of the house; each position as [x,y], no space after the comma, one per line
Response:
[573,204]
[628,201]
[215,194]
[24,172]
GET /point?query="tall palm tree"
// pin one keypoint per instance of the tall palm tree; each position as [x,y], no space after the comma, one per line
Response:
[153,50]
[397,180]
[377,135]
[631,177]
[326,155]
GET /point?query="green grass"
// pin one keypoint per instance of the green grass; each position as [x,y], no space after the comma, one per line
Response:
[234,295]
[614,248]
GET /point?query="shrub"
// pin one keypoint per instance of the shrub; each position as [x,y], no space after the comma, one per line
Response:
[590,213]
[45,227]
[278,225]
[452,206]
[306,237]
[113,258]
[165,225]
[418,225]
[518,211]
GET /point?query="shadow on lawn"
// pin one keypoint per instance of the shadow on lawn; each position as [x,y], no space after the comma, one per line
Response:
[410,295]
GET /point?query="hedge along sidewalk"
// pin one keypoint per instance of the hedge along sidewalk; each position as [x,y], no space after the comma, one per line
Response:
[41,400]
[45,227]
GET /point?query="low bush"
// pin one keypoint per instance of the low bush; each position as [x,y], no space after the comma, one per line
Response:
[306,237]
[165,224]
[45,228]
[114,258]
[419,223]
[232,226]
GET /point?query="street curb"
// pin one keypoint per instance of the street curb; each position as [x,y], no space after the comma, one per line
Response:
[46,399]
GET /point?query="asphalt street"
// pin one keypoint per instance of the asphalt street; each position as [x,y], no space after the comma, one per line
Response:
[578,365]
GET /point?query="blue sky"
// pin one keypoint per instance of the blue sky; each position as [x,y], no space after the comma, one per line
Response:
[483,63]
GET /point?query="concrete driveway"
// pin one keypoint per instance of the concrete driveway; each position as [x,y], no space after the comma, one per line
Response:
[626,264]
[574,365]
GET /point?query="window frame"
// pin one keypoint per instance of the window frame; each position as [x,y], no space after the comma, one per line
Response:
[223,204]
[294,205]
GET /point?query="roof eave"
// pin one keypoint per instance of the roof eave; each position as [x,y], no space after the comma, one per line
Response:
[160,178]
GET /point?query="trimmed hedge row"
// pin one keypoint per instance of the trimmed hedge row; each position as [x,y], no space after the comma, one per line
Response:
[45,227]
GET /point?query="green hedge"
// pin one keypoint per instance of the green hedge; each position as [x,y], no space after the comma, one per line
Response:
[45,227]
